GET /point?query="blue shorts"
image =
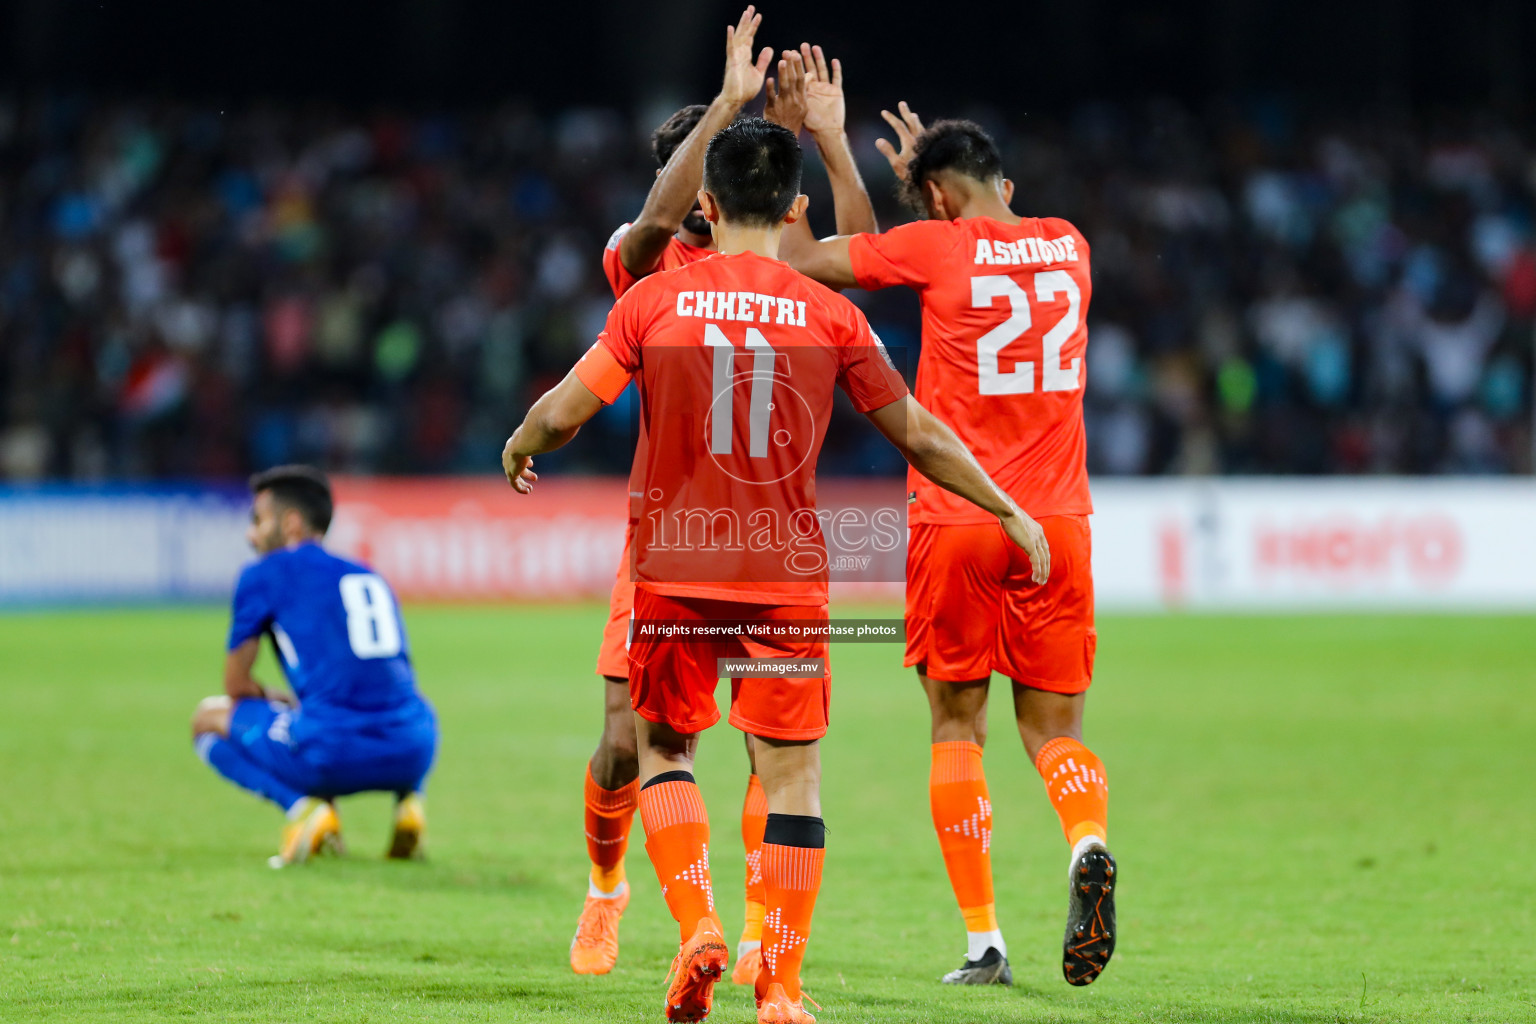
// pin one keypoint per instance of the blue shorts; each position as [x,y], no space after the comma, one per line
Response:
[326,760]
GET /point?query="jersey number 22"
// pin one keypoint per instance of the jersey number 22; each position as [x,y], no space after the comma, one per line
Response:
[991,378]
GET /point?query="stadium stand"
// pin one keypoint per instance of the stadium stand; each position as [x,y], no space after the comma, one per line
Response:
[187,291]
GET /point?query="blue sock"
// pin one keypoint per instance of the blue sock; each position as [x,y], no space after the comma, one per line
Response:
[225,758]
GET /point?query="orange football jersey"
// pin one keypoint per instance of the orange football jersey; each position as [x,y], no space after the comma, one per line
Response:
[677,254]
[1004,356]
[736,358]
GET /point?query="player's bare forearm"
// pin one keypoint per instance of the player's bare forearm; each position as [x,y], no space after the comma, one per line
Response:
[826,119]
[933,450]
[850,199]
[238,682]
[927,443]
[551,423]
[674,193]
[797,244]
[537,434]
[825,261]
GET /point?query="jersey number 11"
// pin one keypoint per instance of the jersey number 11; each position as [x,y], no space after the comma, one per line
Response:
[722,406]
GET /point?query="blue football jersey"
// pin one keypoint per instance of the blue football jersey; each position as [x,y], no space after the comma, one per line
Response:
[337,630]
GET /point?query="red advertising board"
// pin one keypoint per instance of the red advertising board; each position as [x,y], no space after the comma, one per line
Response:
[473,538]
[438,538]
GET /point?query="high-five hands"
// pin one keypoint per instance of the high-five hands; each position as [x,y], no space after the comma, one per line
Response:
[908,128]
[786,104]
[824,108]
[743,76]
[807,93]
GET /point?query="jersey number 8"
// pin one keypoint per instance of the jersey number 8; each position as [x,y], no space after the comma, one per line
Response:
[991,378]
[373,629]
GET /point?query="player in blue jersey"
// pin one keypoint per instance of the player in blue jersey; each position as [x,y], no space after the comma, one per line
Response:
[354,721]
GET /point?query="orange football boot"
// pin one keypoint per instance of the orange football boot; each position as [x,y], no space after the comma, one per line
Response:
[595,949]
[777,1008]
[700,962]
[747,966]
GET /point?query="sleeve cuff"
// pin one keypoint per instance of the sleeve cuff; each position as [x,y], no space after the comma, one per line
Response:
[858,261]
[602,374]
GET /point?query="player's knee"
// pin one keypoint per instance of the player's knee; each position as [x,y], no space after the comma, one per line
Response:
[619,738]
[1044,716]
[791,775]
[660,740]
[959,711]
[212,716]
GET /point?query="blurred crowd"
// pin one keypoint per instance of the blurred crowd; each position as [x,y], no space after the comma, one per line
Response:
[187,291]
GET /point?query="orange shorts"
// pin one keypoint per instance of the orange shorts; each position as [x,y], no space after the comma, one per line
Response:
[673,681]
[613,655]
[972,609]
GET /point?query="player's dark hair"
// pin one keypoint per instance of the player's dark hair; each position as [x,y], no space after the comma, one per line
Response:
[752,168]
[302,488]
[671,133]
[962,147]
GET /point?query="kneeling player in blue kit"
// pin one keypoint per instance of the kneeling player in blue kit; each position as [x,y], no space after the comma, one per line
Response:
[355,721]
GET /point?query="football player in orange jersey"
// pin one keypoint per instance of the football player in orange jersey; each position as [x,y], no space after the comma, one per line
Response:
[1004,303]
[719,450]
[671,232]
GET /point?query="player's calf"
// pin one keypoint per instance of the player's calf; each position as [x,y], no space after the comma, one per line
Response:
[1076,783]
[616,761]
[962,818]
[754,820]
[610,796]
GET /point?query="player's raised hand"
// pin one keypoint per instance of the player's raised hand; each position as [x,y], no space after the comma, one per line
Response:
[908,128]
[786,97]
[825,112]
[743,76]
[1030,536]
[519,469]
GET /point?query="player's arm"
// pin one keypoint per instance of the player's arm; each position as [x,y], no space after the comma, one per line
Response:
[825,119]
[239,684]
[810,95]
[676,188]
[928,444]
[826,260]
[251,616]
[551,423]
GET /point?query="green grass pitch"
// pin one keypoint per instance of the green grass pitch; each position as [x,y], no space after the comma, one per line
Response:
[1317,820]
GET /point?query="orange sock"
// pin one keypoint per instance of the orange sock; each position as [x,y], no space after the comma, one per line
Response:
[677,838]
[609,813]
[962,817]
[1075,782]
[792,876]
[754,817]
